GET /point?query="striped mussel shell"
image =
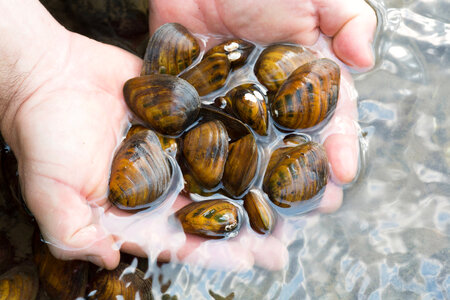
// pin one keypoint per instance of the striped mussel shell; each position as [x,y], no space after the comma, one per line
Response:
[210,74]
[170,50]
[140,172]
[308,96]
[277,62]
[163,102]
[19,283]
[261,216]
[237,51]
[296,174]
[168,144]
[214,219]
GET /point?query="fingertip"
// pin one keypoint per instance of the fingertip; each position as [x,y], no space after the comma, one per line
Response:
[342,152]
[332,198]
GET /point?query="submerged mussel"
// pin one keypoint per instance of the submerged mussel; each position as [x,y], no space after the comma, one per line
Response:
[297,175]
[213,219]
[166,103]
[277,62]
[170,50]
[168,144]
[19,283]
[140,172]
[308,96]
[261,216]
[237,51]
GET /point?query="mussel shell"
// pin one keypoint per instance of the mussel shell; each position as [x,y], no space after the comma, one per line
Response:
[237,51]
[171,49]
[19,283]
[249,104]
[205,149]
[123,282]
[299,174]
[210,74]
[235,128]
[277,62]
[140,172]
[213,219]
[168,144]
[241,165]
[308,96]
[260,214]
[166,103]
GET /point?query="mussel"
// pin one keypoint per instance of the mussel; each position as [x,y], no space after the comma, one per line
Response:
[19,283]
[308,96]
[277,62]
[214,219]
[171,49]
[140,172]
[166,103]
[237,51]
[261,216]
[248,102]
[205,149]
[168,144]
[299,174]
[210,74]
[124,282]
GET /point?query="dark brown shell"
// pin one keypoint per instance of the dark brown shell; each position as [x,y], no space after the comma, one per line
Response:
[210,74]
[205,149]
[277,62]
[166,103]
[171,49]
[213,219]
[123,282]
[60,279]
[299,174]
[248,102]
[19,283]
[308,96]
[261,216]
[237,51]
[140,172]
[241,165]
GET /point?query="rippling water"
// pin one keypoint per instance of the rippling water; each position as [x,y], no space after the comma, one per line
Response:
[390,239]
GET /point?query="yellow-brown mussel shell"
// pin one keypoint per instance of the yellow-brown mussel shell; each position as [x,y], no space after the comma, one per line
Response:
[140,172]
[19,283]
[237,51]
[299,174]
[277,62]
[260,214]
[168,144]
[241,165]
[210,74]
[123,282]
[213,219]
[166,103]
[308,96]
[205,149]
[170,50]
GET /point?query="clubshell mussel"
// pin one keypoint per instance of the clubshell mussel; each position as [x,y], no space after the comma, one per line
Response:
[19,283]
[237,51]
[297,175]
[214,219]
[140,172]
[170,50]
[308,96]
[261,216]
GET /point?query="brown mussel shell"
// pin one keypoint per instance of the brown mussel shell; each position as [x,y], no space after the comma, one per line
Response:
[241,165]
[171,49]
[140,172]
[205,149]
[299,174]
[168,144]
[60,279]
[248,102]
[260,214]
[235,128]
[214,219]
[277,62]
[19,283]
[210,74]
[123,282]
[308,96]
[237,51]
[166,103]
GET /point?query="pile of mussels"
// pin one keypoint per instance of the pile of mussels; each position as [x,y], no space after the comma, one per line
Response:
[216,144]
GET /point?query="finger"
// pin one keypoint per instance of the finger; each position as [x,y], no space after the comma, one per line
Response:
[352,25]
[332,198]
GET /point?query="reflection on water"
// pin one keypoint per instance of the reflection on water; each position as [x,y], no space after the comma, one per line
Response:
[390,240]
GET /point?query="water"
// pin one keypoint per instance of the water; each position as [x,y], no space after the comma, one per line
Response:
[390,239]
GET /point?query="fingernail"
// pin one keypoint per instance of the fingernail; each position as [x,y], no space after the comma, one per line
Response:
[97,260]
